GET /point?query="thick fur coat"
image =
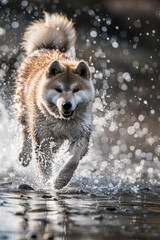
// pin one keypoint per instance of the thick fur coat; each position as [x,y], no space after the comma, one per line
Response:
[53,97]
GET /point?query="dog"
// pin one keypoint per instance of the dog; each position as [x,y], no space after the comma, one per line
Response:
[53,96]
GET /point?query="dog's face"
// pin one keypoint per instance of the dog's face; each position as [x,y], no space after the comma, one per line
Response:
[68,89]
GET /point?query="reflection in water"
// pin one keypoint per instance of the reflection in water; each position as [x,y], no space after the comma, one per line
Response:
[40,215]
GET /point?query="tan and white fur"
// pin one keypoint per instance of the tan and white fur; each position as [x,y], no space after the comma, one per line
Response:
[53,97]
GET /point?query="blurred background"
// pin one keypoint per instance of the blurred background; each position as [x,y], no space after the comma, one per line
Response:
[121,42]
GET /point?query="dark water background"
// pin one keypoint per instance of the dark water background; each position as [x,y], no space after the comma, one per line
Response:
[114,193]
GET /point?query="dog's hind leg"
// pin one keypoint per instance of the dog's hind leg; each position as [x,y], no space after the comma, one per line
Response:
[77,150]
[44,153]
[43,156]
[25,154]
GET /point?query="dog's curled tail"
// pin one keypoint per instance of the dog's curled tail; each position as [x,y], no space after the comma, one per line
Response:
[54,32]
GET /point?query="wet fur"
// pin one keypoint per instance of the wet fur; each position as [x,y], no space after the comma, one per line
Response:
[38,105]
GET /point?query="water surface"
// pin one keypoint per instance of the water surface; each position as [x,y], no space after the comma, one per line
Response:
[30,214]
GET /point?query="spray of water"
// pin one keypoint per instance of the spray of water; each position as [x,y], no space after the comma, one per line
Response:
[104,169]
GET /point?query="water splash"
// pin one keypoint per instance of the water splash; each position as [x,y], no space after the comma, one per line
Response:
[103,170]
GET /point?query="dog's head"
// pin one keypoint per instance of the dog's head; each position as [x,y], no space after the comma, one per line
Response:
[68,88]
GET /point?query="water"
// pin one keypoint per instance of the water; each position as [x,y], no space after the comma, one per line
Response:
[42,215]
[115,191]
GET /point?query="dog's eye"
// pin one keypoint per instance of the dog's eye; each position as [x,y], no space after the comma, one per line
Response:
[58,90]
[75,90]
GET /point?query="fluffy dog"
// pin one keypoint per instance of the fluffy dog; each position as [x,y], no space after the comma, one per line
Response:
[53,97]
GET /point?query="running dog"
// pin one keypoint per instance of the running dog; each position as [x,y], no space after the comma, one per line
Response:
[53,96]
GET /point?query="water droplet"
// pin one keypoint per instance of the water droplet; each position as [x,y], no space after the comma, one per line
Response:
[15,24]
[93,34]
[115,44]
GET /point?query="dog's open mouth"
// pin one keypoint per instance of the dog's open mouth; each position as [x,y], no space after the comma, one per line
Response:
[67,114]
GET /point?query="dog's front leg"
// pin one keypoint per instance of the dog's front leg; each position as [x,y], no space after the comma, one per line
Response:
[77,150]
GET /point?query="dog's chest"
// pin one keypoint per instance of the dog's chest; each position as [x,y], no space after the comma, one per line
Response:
[59,129]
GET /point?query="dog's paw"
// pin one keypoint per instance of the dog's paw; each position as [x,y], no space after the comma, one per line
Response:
[25,158]
[61,182]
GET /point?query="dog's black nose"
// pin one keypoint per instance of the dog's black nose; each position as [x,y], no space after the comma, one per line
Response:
[67,106]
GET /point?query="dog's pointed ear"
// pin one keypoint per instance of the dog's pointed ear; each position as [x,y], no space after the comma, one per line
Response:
[54,69]
[82,70]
